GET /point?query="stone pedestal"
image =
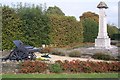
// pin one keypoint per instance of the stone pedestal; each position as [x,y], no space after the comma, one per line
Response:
[102,43]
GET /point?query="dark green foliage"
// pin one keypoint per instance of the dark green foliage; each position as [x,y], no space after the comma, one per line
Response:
[55,68]
[102,56]
[115,37]
[11,29]
[0,27]
[35,26]
[54,11]
[90,28]
[113,32]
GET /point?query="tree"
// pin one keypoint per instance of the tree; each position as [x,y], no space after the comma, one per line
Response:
[11,29]
[90,15]
[54,10]
[35,25]
[113,32]
[90,26]
[0,26]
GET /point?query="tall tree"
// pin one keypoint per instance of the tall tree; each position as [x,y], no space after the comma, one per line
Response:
[90,26]
[90,15]
[0,27]
[54,10]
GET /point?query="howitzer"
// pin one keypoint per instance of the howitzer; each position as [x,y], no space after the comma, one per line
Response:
[22,52]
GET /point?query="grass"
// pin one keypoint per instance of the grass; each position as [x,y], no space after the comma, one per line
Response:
[80,75]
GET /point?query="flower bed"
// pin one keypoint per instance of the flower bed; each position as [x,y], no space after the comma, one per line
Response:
[74,66]
[33,67]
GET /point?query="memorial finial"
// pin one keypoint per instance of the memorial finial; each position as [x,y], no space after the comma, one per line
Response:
[102,5]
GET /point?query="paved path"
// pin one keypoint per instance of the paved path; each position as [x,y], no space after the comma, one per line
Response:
[62,58]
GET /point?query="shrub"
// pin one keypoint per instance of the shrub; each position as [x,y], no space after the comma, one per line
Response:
[58,52]
[55,68]
[75,54]
[33,67]
[77,66]
[102,56]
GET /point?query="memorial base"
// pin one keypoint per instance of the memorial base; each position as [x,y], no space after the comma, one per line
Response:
[102,43]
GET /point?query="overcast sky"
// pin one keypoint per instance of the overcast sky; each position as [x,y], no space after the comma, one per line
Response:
[76,7]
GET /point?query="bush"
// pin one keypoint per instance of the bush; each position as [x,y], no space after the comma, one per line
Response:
[75,54]
[55,68]
[58,52]
[102,56]
[33,67]
[77,66]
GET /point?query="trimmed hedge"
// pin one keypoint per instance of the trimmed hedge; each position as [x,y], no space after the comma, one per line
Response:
[65,30]
[28,24]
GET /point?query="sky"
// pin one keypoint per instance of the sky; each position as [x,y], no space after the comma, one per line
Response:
[76,7]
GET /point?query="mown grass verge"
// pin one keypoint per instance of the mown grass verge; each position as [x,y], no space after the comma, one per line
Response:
[80,75]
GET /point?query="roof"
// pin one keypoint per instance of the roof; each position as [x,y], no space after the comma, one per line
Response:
[102,5]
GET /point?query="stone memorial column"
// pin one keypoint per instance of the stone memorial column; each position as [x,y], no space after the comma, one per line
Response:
[103,40]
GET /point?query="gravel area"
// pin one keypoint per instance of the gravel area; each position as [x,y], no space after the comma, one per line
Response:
[62,58]
[91,51]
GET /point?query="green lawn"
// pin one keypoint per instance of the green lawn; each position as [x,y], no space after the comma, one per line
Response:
[81,75]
